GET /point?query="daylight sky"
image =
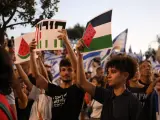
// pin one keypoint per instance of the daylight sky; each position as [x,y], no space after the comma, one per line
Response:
[141,17]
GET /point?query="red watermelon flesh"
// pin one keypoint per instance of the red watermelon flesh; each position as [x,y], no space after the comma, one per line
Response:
[23,52]
[88,35]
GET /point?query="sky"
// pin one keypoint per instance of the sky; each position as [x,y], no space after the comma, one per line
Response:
[141,17]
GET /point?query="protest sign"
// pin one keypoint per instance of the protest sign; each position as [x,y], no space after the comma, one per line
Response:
[46,34]
[22,51]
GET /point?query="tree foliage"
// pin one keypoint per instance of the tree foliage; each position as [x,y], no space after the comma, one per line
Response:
[23,12]
[76,32]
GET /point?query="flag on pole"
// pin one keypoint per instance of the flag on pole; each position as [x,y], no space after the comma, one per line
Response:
[120,41]
[103,37]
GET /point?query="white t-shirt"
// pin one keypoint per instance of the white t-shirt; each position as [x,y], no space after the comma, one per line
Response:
[11,98]
[96,109]
[34,94]
[42,104]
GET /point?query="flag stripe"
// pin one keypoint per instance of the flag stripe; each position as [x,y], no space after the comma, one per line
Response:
[100,43]
[46,43]
[92,54]
[101,19]
[107,53]
[55,43]
[61,43]
[103,29]
[40,46]
[54,77]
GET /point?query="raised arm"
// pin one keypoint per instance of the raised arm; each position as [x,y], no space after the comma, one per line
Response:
[151,87]
[41,82]
[81,79]
[24,77]
[22,97]
[71,53]
[33,57]
[42,67]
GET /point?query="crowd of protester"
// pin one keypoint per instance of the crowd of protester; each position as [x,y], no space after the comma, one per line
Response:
[126,89]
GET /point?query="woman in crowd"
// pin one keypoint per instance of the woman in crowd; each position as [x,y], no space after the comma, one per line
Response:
[6,74]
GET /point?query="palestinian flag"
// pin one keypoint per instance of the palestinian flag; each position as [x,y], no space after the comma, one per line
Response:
[102,38]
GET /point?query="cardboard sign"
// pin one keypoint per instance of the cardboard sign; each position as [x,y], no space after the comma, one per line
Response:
[88,35]
[46,34]
[22,52]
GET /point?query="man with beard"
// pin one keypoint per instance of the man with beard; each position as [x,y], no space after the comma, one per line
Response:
[67,97]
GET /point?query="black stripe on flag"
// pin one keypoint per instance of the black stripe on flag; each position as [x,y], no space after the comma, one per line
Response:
[101,19]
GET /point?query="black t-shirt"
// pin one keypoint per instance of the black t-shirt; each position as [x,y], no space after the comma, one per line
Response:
[123,107]
[67,103]
[143,83]
[23,114]
[140,93]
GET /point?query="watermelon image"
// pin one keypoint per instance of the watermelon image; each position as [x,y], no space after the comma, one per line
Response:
[88,35]
[24,51]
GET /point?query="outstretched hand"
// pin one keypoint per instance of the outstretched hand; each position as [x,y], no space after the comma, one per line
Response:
[79,45]
[63,36]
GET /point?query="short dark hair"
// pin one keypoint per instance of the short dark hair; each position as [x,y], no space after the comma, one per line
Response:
[99,80]
[6,72]
[123,63]
[65,63]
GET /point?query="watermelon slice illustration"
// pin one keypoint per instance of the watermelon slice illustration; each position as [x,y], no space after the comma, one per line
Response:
[23,52]
[88,35]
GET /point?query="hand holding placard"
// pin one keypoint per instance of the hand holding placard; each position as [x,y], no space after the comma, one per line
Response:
[88,35]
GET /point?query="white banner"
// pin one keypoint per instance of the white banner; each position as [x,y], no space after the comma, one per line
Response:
[47,32]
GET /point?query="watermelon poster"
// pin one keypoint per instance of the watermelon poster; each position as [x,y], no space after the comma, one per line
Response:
[22,52]
[46,34]
[88,35]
